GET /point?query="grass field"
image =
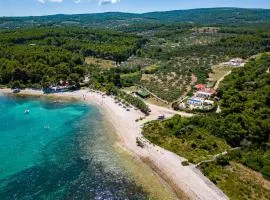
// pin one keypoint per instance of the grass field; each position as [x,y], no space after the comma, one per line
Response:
[106,64]
[155,101]
[218,71]
[260,55]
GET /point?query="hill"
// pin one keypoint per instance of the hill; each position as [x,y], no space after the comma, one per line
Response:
[116,19]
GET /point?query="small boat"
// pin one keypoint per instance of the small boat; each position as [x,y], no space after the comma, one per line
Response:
[47,127]
[26,111]
[16,90]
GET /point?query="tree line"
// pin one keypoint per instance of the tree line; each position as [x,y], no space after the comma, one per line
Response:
[39,57]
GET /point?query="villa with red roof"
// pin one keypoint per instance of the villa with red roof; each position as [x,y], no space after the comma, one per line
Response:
[200,86]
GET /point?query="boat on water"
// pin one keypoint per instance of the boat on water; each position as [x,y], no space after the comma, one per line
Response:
[26,111]
[47,127]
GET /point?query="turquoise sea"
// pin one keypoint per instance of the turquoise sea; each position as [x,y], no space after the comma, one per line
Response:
[59,150]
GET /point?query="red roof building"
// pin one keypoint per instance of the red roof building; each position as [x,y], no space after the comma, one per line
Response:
[200,87]
[209,90]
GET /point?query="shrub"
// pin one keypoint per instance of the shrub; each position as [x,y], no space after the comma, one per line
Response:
[185,163]
[223,161]
[254,163]
[16,84]
[266,172]
[193,145]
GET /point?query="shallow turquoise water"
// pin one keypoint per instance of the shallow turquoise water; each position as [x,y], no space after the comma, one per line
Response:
[58,151]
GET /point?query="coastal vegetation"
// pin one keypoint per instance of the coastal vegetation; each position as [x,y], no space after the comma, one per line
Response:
[135,101]
[42,56]
[110,81]
[237,181]
[130,79]
[182,137]
[243,122]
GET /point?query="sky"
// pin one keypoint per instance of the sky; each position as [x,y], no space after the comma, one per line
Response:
[48,7]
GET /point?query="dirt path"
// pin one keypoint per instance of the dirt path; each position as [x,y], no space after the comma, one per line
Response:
[157,110]
[214,158]
[221,79]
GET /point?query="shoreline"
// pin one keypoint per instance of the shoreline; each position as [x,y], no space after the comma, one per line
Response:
[187,182]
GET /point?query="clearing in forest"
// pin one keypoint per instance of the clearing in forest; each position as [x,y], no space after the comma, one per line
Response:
[219,71]
[106,64]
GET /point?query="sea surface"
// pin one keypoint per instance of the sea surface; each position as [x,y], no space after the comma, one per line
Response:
[59,150]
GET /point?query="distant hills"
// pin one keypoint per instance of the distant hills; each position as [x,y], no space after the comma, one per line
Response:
[213,16]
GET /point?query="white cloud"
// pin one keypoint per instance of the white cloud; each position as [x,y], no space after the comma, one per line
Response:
[100,2]
[53,1]
[105,2]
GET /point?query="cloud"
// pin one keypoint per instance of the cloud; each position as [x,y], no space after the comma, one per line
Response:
[100,2]
[105,2]
[53,1]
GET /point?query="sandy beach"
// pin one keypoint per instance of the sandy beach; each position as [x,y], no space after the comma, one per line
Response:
[187,181]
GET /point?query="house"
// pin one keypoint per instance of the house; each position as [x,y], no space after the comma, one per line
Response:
[200,86]
[236,62]
[205,93]
[143,93]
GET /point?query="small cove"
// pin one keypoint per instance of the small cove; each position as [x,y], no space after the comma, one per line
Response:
[59,151]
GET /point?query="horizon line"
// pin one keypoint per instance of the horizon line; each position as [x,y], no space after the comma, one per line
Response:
[135,13]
